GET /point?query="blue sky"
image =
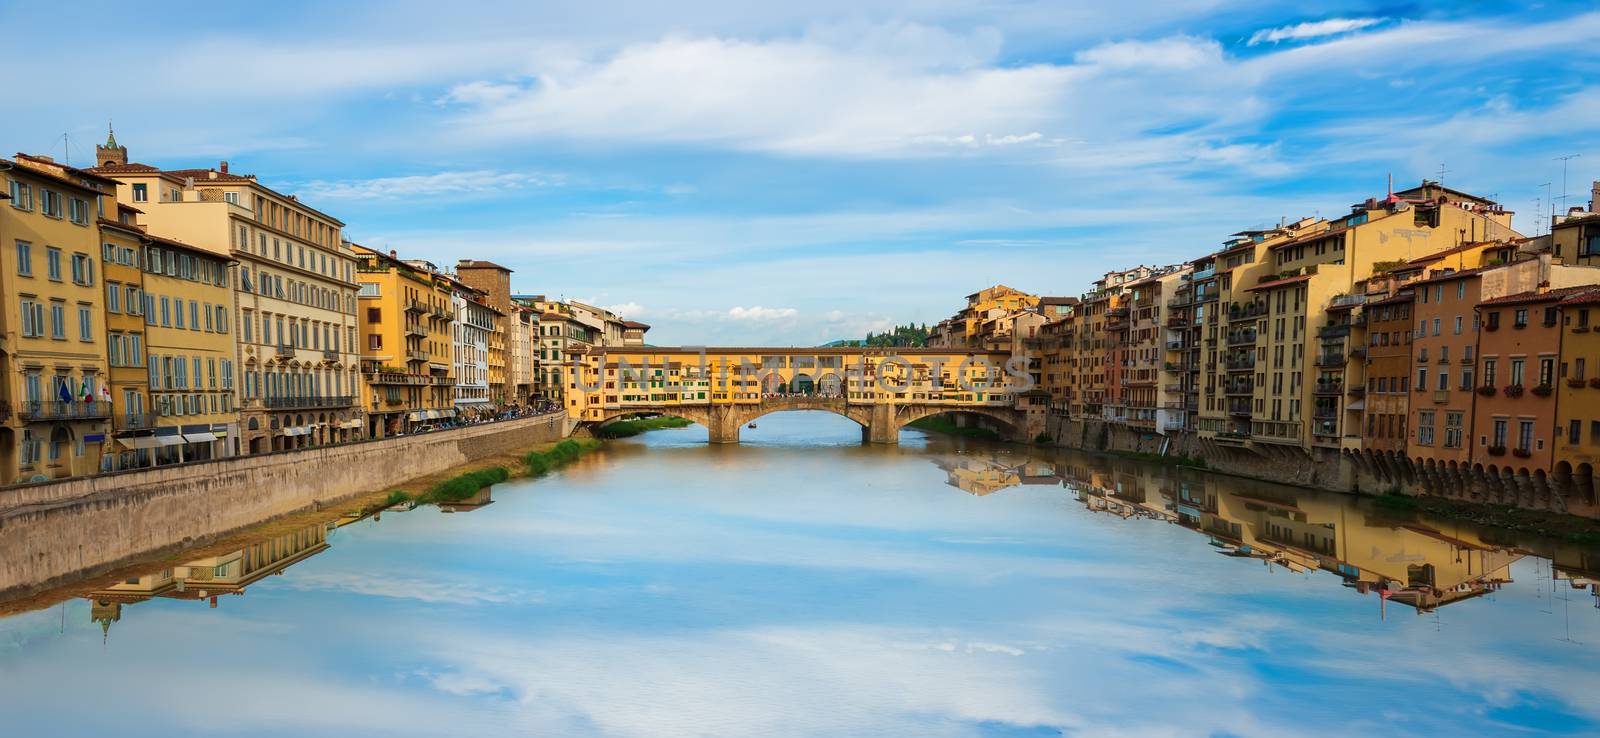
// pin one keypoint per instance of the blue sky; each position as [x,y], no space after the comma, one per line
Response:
[734,173]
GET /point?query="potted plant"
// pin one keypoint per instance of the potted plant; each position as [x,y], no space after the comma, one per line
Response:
[1486,390]
[1542,390]
[1594,382]
[1497,450]
[1513,390]
[1521,453]
[1576,383]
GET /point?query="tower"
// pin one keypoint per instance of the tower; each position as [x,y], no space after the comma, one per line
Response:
[112,152]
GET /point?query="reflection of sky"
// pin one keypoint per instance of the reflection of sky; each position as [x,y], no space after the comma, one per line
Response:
[777,589]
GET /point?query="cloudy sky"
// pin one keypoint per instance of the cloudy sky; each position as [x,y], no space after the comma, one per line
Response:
[736,173]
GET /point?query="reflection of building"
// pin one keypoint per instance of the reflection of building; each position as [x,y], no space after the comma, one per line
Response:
[209,577]
[1411,562]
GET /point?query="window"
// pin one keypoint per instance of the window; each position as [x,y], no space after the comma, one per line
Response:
[1574,431]
[177,312]
[58,321]
[1500,427]
[1444,379]
[25,258]
[1425,428]
[141,193]
[1452,428]
[32,318]
[52,260]
[1519,318]
[50,203]
[78,211]
[21,195]
[1516,370]
[113,297]
[1493,321]
[374,342]
[1547,371]
[1466,378]
[85,324]
[1422,379]
[82,270]
[1525,435]
[1489,366]
[1458,325]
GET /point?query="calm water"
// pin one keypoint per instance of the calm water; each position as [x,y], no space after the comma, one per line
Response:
[801,584]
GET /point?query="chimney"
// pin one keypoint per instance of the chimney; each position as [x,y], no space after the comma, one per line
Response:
[1594,197]
[223,167]
[394,255]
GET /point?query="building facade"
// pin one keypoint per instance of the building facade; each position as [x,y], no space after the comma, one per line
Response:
[295,295]
[190,350]
[407,326]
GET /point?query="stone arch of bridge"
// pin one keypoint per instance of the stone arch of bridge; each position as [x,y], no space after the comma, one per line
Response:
[880,423]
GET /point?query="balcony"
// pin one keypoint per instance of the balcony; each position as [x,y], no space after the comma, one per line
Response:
[1347,300]
[413,306]
[1441,397]
[307,403]
[286,352]
[1241,365]
[1336,360]
[330,355]
[1206,273]
[417,356]
[1239,388]
[1239,410]
[1327,414]
[1205,298]
[55,410]
[1329,388]
[441,313]
[1248,311]
[1358,353]
[1242,338]
[132,421]
[1174,345]
[416,331]
[1334,331]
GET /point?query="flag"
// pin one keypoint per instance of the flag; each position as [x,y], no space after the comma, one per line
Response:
[63,391]
[87,391]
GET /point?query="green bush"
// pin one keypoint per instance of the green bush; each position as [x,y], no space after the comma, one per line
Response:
[1042,438]
[628,428]
[466,485]
[541,462]
[396,497]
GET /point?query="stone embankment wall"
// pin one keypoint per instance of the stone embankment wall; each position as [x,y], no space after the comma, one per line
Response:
[52,531]
[1342,471]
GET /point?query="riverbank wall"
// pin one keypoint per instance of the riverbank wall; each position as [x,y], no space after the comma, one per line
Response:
[1339,470]
[51,531]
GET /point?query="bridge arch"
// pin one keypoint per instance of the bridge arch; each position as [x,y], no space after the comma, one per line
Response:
[880,423]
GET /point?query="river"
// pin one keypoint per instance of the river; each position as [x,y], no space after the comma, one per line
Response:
[804,584]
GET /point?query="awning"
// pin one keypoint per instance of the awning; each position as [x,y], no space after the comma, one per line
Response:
[418,415]
[141,441]
[351,423]
[448,412]
[297,431]
[199,437]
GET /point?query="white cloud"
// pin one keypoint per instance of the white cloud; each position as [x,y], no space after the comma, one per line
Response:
[428,185]
[756,312]
[1311,29]
[627,309]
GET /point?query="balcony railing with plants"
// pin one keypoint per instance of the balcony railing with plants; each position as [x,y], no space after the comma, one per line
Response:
[1497,450]
[1521,453]
[1513,390]
[56,410]
[1543,390]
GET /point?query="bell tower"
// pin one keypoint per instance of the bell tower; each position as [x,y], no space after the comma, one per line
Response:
[112,152]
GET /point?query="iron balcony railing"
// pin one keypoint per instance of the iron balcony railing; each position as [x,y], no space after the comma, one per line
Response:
[302,403]
[57,410]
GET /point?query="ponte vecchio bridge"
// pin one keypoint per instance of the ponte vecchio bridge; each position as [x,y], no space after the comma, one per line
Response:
[724,389]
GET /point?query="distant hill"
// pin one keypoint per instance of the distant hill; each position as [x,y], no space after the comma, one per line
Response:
[902,336]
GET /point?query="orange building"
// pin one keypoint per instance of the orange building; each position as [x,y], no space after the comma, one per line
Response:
[1519,349]
[1387,396]
[1444,339]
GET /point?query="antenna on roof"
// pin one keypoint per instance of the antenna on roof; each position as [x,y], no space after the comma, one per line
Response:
[1442,172]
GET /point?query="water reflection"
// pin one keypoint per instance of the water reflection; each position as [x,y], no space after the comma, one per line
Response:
[808,586]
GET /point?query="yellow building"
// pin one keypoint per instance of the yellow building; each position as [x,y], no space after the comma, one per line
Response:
[406,334]
[188,314]
[1577,444]
[122,260]
[295,294]
[54,356]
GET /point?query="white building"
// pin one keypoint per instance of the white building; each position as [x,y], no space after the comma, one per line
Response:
[474,323]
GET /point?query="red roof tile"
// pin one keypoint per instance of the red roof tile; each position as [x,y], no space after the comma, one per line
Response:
[1280,282]
[1523,298]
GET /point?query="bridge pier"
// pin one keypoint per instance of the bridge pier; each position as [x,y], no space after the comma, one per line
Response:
[723,424]
[881,425]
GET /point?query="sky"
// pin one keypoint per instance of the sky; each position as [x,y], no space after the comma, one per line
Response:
[790,174]
[667,587]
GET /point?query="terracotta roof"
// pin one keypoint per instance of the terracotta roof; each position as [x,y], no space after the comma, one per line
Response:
[119,225]
[39,169]
[1058,301]
[479,264]
[1430,258]
[1579,220]
[202,176]
[1589,297]
[174,243]
[1280,282]
[1455,275]
[635,324]
[130,168]
[1403,296]
[1523,298]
